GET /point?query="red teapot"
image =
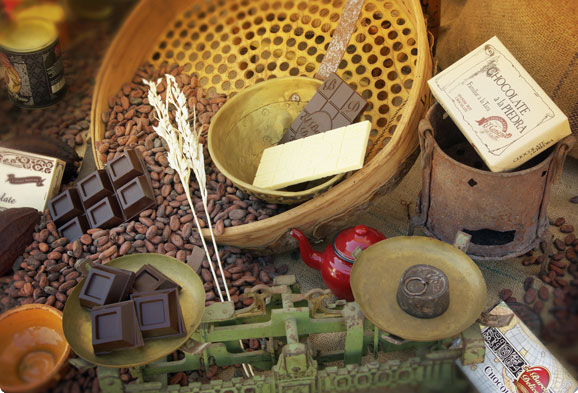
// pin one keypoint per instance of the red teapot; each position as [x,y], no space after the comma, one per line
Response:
[336,262]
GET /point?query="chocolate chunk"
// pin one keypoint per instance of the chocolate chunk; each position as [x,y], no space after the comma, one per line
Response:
[148,279]
[65,206]
[135,196]
[159,313]
[94,188]
[124,168]
[105,285]
[115,327]
[75,228]
[105,214]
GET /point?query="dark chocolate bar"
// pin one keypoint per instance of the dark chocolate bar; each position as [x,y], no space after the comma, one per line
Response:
[334,105]
[105,285]
[115,327]
[159,313]
[148,279]
[107,197]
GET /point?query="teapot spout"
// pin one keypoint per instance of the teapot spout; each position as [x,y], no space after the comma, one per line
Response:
[310,257]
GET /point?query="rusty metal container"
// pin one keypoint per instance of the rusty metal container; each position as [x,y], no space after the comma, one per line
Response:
[506,213]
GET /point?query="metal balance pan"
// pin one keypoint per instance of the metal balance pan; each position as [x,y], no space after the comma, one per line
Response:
[376,276]
[77,324]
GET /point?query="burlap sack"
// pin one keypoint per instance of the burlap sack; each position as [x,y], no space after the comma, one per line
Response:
[542,35]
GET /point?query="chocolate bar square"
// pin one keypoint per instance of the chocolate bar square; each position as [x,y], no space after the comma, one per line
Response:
[65,206]
[334,105]
[124,168]
[94,188]
[74,228]
[105,285]
[124,283]
[159,313]
[148,279]
[115,327]
[105,214]
[135,196]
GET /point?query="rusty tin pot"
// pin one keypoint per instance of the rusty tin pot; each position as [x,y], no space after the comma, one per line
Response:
[506,213]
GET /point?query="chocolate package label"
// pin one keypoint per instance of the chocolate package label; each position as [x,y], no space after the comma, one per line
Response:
[517,362]
[500,109]
[28,180]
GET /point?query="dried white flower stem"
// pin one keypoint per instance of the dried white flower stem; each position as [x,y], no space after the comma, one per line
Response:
[185,153]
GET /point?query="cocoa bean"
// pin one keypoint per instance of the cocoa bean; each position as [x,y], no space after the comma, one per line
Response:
[566,228]
[560,221]
[559,244]
[505,294]
[206,275]
[543,293]
[56,268]
[67,285]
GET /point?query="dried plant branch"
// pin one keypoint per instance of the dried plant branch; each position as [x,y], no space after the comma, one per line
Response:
[185,154]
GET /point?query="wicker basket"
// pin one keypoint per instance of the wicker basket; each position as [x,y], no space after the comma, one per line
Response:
[232,44]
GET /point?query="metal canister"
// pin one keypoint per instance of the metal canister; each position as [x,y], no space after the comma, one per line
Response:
[31,62]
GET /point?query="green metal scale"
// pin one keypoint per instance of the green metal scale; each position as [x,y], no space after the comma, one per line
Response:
[284,318]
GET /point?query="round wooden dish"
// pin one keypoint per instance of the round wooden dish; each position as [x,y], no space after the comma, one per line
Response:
[234,44]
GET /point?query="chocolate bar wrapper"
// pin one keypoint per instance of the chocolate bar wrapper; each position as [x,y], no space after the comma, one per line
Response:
[498,107]
[517,362]
[28,179]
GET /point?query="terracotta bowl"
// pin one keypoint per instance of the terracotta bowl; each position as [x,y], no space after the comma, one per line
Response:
[33,349]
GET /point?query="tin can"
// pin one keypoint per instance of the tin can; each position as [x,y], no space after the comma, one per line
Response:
[31,62]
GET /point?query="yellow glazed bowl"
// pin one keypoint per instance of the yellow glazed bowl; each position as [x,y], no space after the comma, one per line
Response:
[33,349]
[253,120]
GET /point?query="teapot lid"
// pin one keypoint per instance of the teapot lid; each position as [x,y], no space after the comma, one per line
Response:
[359,236]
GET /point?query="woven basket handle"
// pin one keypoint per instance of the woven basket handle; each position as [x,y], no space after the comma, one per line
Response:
[341,37]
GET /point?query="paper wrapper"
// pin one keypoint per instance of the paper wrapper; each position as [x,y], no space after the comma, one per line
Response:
[517,362]
[28,180]
[498,107]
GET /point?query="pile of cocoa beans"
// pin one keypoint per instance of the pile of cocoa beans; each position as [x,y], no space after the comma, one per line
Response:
[48,271]
[556,293]
[129,121]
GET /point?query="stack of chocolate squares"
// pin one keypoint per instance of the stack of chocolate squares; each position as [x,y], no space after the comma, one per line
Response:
[105,198]
[128,307]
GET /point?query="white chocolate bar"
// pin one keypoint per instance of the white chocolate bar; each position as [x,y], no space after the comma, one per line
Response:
[317,156]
